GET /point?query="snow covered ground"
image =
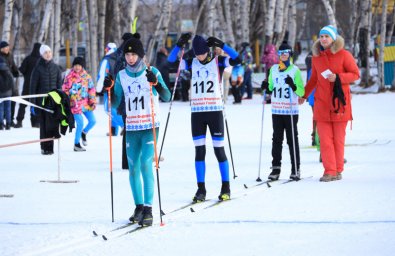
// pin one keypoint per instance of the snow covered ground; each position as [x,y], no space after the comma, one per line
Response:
[354,216]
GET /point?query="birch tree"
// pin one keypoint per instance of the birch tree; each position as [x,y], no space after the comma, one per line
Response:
[303,21]
[278,26]
[57,17]
[211,12]
[93,22]
[8,7]
[75,24]
[354,24]
[329,11]
[382,43]
[43,32]
[101,11]
[237,21]
[392,25]
[117,21]
[364,36]
[245,21]
[85,32]
[269,21]
[17,24]
[199,14]
[292,23]
[228,23]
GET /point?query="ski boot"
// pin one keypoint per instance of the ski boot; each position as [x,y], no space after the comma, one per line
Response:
[275,174]
[147,217]
[295,176]
[83,137]
[225,191]
[200,195]
[78,148]
[138,214]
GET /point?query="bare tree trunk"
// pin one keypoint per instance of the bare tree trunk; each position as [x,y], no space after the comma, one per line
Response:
[43,32]
[245,21]
[210,17]
[93,21]
[117,20]
[17,24]
[269,21]
[292,23]
[228,23]
[364,36]
[75,26]
[330,12]
[219,23]
[57,17]
[303,22]
[237,20]
[199,14]
[284,33]
[382,43]
[9,6]
[392,26]
[354,21]
[101,8]
[279,25]
[86,36]
[51,30]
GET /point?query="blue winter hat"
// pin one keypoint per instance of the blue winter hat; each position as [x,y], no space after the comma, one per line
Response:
[199,45]
[329,30]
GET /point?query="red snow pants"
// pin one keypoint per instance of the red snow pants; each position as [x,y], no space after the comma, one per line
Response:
[332,138]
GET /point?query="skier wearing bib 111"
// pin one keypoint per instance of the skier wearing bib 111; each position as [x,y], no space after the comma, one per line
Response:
[207,105]
[134,82]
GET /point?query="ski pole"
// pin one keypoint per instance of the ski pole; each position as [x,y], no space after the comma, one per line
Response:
[293,131]
[110,140]
[155,150]
[226,120]
[260,147]
[171,103]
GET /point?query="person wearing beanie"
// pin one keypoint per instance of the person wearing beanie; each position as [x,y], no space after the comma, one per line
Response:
[139,87]
[106,64]
[207,104]
[333,69]
[46,76]
[26,69]
[79,86]
[286,85]
[6,54]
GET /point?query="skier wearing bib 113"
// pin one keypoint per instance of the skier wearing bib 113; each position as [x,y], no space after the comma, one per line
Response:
[286,84]
[134,83]
[207,105]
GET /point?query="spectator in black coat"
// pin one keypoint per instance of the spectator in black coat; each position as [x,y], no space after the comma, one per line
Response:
[162,65]
[46,76]
[9,58]
[26,69]
[6,85]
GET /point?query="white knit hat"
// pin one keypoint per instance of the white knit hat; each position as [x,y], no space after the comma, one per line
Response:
[44,48]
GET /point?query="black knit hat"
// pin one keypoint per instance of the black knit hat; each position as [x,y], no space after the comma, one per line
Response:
[79,61]
[3,44]
[199,45]
[126,36]
[134,45]
[285,46]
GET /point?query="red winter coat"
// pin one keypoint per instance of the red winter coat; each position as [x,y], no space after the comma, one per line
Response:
[340,62]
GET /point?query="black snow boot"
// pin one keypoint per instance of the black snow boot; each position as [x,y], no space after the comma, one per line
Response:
[147,218]
[225,191]
[295,176]
[200,195]
[275,174]
[138,214]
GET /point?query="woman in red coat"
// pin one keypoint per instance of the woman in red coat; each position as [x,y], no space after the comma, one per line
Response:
[333,69]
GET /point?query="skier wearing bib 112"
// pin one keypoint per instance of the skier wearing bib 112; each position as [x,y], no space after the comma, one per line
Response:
[134,82]
[207,105]
[286,84]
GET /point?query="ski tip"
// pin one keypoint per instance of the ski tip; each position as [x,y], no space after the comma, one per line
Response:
[192,210]
[104,237]
[94,233]
[245,186]
[268,184]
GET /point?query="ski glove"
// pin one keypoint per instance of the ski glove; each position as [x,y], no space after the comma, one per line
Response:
[183,40]
[290,82]
[108,82]
[338,94]
[265,85]
[213,41]
[151,77]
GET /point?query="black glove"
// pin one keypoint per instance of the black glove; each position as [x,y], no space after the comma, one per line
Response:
[108,82]
[290,82]
[265,85]
[184,38]
[213,41]
[338,94]
[151,77]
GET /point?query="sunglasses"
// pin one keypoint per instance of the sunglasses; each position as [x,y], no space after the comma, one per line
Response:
[281,52]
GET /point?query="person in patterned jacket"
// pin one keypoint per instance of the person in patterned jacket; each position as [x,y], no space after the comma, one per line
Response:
[78,84]
[207,105]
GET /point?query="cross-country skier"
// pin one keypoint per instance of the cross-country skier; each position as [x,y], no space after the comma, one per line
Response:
[286,84]
[134,83]
[207,105]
